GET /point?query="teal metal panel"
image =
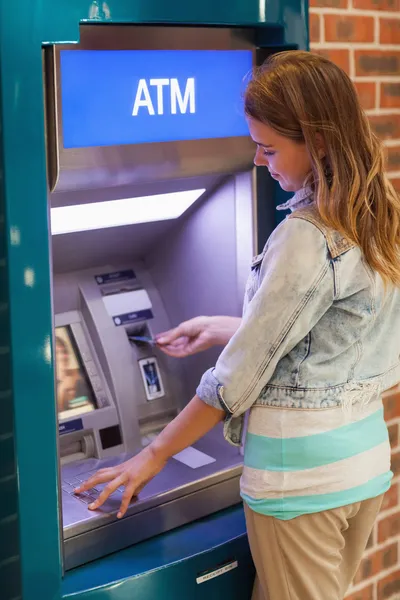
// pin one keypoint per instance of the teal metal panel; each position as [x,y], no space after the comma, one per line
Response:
[10,575]
[30,309]
[171,563]
[26,371]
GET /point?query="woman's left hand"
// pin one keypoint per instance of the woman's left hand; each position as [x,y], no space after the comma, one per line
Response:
[134,474]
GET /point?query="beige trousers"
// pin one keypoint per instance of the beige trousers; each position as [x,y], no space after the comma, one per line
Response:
[311,557]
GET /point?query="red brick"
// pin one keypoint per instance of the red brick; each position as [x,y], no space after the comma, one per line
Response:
[375,563]
[366,593]
[366,93]
[389,31]
[391,498]
[391,400]
[390,95]
[389,556]
[393,158]
[396,463]
[377,62]
[315,29]
[394,429]
[389,527]
[339,57]
[387,127]
[329,3]
[393,5]
[389,586]
[343,28]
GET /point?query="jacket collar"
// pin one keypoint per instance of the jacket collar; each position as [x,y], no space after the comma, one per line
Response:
[303,197]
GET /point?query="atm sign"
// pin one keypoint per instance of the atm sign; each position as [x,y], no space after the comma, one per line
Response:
[179,101]
[115,97]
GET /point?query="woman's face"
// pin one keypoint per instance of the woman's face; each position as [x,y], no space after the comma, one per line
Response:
[287,161]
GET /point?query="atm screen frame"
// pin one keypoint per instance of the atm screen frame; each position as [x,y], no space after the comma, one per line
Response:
[86,356]
[74,354]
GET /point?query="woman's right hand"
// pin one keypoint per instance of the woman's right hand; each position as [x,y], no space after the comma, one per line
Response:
[133,474]
[197,334]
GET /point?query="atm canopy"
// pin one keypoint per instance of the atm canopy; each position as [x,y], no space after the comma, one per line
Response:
[137,104]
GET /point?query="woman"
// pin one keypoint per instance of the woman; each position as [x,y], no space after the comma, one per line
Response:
[317,345]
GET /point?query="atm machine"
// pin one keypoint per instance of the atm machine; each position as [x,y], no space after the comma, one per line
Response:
[152,212]
[155,211]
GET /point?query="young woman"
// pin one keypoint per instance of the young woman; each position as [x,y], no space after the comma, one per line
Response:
[318,343]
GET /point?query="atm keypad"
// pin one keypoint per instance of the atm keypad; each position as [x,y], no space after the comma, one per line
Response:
[70,483]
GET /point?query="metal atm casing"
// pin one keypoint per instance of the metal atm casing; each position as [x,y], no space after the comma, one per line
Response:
[30,546]
[223,167]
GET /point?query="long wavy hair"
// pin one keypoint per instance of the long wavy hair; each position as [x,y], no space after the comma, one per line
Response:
[299,95]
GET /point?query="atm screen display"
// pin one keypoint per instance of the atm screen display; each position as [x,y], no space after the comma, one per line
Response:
[74,393]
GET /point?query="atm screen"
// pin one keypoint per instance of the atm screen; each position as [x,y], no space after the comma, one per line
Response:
[74,393]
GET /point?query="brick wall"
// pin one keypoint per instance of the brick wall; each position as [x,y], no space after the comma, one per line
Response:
[363,37]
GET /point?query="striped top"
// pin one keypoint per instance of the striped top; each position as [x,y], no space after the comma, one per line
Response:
[301,461]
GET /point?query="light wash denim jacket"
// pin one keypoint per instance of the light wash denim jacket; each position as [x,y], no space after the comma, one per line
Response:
[318,327]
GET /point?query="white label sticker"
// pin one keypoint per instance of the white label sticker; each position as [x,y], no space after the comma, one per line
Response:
[193,458]
[207,576]
[127,302]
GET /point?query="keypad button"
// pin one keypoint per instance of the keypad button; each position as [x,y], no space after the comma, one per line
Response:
[86,499]
[91,368]
[72,480]
[96,383]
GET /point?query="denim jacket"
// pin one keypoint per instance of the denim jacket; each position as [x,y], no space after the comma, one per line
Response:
[318,330]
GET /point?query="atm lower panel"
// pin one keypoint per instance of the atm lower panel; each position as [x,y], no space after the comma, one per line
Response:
[143,525]
[209,558]
[178,495]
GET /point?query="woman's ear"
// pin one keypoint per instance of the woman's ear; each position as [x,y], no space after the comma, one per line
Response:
[320,143]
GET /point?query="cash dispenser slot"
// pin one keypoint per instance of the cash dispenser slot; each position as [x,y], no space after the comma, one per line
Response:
[76,447]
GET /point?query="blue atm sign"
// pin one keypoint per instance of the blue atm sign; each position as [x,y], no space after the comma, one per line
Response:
[115,97]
